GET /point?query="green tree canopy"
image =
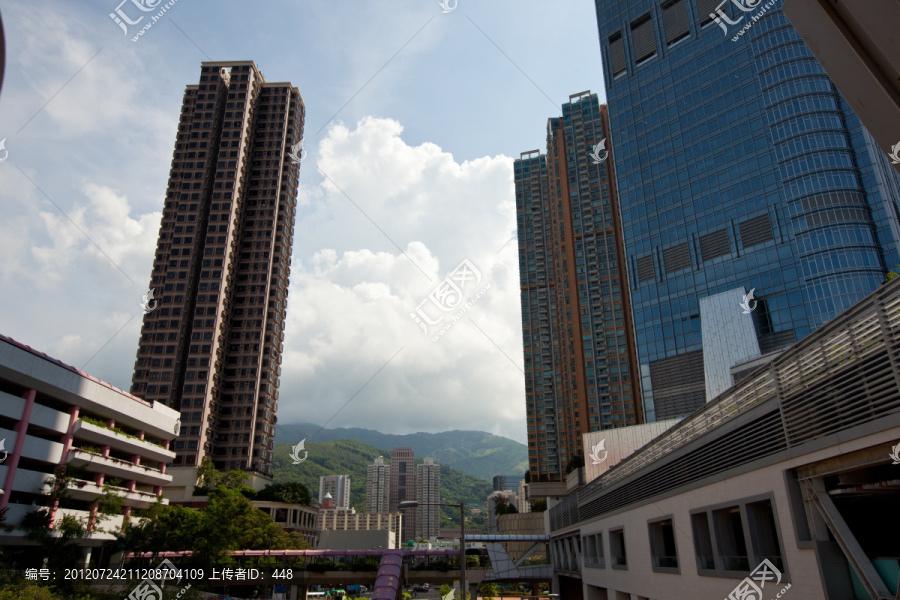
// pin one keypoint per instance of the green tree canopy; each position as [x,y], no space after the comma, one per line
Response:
[291,491]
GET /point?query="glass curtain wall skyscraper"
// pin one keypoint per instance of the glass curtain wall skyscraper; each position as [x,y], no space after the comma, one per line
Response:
[740,167]
[578,344]
[213,334]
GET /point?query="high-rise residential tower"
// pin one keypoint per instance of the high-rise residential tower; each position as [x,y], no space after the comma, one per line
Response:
[428,490]
[211,342]
[339,488]
[403,487]
[378,487]
[741,169]
[580,368]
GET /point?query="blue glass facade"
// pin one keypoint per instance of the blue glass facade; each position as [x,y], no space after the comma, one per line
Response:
[739,164]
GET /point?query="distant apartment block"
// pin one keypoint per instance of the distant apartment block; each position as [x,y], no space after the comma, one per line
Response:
[580,367]
[403,485]
[339,488]
[53,415]
[212,338]
[428,490]
[378,487]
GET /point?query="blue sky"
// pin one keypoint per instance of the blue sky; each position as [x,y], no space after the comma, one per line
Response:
[415,114]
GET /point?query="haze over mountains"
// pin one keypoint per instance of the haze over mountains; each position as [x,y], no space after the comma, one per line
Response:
[476,453]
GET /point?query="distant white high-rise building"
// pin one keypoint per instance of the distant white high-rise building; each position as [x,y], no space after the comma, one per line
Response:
[428,490]
[339,488]
[378,487]
[523,505]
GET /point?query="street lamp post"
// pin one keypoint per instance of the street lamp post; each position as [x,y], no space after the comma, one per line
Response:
[462,537]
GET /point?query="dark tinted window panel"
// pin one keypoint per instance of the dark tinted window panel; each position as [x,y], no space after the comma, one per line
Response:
[756,231]
[705,8]
[714,244]
[642,39]
[779,340]
[675,21]
[617,55]
[679,385]
[677,258]
[846,215]
[832,199]
[645,269]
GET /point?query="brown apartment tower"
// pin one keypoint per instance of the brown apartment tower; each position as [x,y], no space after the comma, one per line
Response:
[211,344]
[403,487]
[580,363]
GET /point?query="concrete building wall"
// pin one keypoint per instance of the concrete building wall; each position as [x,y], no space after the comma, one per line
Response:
[614,445]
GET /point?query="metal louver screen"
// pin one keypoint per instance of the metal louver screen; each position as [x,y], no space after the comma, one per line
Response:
[677,258]
[756,231]
[617,55]
[675,21]
[642,39]
[645,270]
[705,8]
[714,244]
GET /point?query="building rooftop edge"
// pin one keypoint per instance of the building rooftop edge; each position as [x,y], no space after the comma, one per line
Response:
[75,370]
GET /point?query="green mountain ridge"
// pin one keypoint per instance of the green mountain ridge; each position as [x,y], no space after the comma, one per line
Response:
[351,457]
[476,453]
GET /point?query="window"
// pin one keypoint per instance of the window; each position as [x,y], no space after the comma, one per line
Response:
[617,55]
[729,527]
[617,555]
[593,550]
[643,39]
[675,21]
[662,546]
[764,533]
[702,542]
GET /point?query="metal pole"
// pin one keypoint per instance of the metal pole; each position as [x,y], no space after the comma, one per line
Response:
[462,551]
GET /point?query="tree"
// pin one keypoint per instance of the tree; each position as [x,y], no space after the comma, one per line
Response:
[59,543]
[209,478]
[576,462]
[502,506]
[539,505]
[445,589]
[489,591]
[293,492]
